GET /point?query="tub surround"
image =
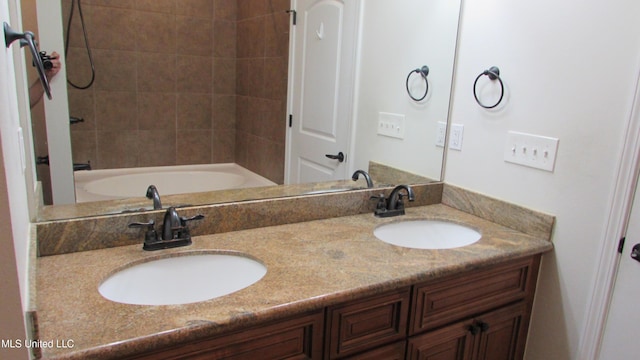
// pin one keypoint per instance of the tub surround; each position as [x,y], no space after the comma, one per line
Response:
[322,262]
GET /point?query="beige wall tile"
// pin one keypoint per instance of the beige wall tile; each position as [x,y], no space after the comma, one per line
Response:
[111,28]
[194,111]
[277,6]
[224,112]
[117,149]
[196,36]
[156,148]
[78,66]
[194,147]
[156,72]
[251,37]
[198,8]
[165,6]
[155,32]
[115,70]
[273,120]
[224,141]
[82,105]
[277,34]
[250,77]
[195,74]
[84,147]
[251,8]
[224,81]
[168,69]
[116,111]
[275,78]
[224,39]
[125,4]
[76,38]
[225,9]
[157,111]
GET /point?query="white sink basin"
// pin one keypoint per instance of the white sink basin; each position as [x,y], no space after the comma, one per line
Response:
[182,279]
[427,234]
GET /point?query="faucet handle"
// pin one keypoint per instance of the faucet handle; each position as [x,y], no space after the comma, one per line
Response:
[382,201]
[183,231]
[184,220]
[150,235]
[149,224]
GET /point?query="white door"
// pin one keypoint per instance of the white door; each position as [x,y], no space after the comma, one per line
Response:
[620,340]
[323,80]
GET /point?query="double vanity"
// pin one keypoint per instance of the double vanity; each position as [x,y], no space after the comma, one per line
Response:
[330,284]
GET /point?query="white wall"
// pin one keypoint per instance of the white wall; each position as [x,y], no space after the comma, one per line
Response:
[412,33]
[14,215]
[13,147]
[570,68]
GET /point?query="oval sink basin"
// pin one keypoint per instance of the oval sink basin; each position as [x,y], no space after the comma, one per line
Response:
[182,279]
[427,234]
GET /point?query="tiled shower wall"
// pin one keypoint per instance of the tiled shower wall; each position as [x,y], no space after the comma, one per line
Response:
[262,60]
[180,82]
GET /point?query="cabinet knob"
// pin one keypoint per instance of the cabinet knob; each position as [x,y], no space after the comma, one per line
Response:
[483,326]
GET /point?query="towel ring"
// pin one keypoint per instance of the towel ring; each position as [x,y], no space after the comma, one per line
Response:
[423,71]
[493,73]
[28,39]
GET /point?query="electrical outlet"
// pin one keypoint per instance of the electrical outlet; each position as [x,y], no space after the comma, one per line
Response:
[455,139]
[391,125]
[441,133]
[531,150]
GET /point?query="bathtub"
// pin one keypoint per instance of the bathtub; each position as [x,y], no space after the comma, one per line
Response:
[110,184]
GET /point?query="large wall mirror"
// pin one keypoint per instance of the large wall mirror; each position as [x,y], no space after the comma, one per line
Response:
[162,85]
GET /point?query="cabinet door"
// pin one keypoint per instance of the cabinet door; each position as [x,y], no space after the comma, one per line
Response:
[298,338]
[365,324]
[453,342]
[503,333]
[497,335]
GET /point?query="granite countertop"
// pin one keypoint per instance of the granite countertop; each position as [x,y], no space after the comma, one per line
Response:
[310,265]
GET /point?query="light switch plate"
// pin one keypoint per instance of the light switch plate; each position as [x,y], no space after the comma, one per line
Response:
[455,139]
[391,125]
[441,133]
[531,150]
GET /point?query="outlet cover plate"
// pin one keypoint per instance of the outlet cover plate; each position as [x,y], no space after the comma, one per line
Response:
[441,133]
[531,150]
[391,125]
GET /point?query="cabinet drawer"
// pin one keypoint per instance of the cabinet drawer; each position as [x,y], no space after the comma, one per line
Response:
[451,299]
[364,324]
[393,351]
[296,338]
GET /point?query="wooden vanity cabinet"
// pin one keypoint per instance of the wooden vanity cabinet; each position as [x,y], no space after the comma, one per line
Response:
[478,314]
[474,315]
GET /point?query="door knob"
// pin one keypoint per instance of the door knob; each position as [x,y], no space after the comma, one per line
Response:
[339,157]
[635,252]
